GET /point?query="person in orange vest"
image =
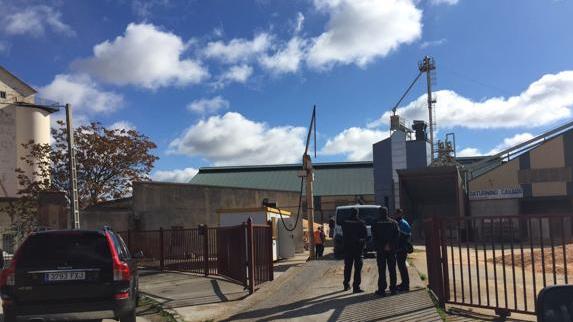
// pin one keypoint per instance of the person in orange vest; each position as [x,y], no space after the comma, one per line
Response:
[319,242]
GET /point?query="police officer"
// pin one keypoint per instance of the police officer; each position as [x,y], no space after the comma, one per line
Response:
[404,247]
[385,234]
[354,237]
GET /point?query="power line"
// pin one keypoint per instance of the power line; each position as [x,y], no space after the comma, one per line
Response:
[475,81]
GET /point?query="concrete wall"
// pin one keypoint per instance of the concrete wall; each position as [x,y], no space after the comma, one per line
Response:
[502,207]
[117,219]
[52,211]
[116,214]
[549,155]
[502,177]
[157,204]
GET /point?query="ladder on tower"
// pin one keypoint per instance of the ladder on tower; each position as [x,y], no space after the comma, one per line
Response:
[74,188]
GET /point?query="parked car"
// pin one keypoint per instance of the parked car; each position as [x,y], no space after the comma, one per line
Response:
[367,213]
[70,275]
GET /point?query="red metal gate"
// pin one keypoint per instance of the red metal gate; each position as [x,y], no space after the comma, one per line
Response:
[500,262]
[232,253]
[242,253]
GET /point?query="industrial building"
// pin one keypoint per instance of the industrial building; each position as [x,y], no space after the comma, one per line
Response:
[532,178]
[21,121]
[162,204]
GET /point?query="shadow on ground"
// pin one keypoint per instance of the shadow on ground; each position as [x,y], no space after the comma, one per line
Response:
[174,290]
[344,306]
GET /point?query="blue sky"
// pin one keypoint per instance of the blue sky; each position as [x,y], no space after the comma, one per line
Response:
[233,82]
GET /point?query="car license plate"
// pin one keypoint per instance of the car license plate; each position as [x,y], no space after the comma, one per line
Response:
[65,276]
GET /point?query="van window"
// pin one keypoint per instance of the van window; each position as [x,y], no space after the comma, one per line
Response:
[73,249]
[368,215]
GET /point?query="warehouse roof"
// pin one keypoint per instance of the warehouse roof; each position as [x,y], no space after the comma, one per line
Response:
[331,179]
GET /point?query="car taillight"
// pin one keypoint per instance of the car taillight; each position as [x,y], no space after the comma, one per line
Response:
[8,277]
[121,296]
[121,271]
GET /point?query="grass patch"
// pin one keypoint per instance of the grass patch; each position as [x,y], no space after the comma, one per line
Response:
[145,301]
[441,312]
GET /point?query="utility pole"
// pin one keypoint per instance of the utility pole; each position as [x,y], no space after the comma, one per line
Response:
[73,177]
[307,163]
[427,66]
[308,173]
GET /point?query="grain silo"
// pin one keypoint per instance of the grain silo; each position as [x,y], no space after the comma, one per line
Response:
[21,121]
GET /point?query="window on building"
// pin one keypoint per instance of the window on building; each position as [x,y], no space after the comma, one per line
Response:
[2,94]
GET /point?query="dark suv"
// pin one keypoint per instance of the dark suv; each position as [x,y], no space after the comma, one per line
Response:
[70,275]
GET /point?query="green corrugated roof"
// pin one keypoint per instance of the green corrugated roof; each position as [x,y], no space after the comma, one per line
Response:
[331,179]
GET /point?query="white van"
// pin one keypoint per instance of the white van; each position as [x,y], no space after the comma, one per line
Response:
[369,214]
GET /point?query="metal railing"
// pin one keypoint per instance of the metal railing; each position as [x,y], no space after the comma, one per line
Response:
[242,253]
[500,262]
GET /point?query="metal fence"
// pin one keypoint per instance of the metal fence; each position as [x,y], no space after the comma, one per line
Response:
[242,253]
[499,263]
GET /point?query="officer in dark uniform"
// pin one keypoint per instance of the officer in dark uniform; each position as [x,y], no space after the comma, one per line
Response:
[354,236]
[385,233]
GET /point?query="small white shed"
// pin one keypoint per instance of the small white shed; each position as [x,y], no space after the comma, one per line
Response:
[282,243]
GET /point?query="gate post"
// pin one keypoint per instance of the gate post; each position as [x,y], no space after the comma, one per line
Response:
[161,249]
[270,249]
[205,231]
[434,259]
[250,256]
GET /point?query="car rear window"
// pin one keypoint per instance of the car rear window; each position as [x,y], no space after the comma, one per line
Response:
[65,249]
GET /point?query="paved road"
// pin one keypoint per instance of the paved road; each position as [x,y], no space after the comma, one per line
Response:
[315,294]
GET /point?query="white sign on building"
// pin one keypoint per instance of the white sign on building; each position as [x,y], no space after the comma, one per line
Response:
[504,193]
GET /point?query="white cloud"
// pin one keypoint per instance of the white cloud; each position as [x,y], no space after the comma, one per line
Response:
[239,49]
[234,139]
[433,43]
[4,47]
[358,31]
[299,22]
[145,56]
[547,100]
[208,105]
[239,74]
[144,8]
[468,152]
[355,143]
[446,2]
[286,60]
[505,144]
[177,175]
[510,142]
[122,125]
[82,93]
[34,21]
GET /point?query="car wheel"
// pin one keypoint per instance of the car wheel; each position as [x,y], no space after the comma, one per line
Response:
[130,317]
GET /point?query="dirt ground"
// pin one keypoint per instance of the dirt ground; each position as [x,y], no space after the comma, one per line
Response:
[548,256]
